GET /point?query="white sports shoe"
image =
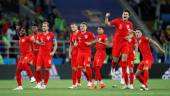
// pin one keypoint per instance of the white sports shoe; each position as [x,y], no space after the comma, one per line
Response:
[43,87]
[143,88]
[122,81]
[78,84]
[89,84]
[125,87]
[38,86]
[18,88]
[32,79]
[131,86]
[72,87]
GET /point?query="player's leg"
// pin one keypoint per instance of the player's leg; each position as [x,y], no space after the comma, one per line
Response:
[18,75]
[28,59]
[116,51]
[80,66]
[87,61]
[147,66]
[131,75]
[124,69]
[38,73]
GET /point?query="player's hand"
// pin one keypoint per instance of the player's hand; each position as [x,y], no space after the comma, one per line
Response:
[88,43]
[162,51]
[52,53]
[107,14]
[41,43]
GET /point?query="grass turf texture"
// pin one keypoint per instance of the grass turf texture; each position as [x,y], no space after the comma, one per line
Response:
[60,88]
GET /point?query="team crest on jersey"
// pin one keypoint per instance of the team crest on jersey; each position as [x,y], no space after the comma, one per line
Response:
[23,40]
[139,41]
[49,61]
[120,26]
[127,26]
[48,37]
[85,36]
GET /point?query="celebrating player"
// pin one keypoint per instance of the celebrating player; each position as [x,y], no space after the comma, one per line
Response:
[73,51]
[26,57]
[147,58]
[84,53]
[45,54]
[120,44]
[100,42]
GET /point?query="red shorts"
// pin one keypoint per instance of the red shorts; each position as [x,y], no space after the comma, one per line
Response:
[24,60]
[143,63]
[44,60]
[120,48]
[131,60]
[35,58]
[74,58]
[83,59]
[99,58]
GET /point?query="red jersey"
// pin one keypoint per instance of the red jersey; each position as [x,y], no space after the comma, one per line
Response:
[121,28]
[35,47]
[25,45]
[145,48]
[83,38]
[74,41]
[132,44]
[101,38]
[48,39]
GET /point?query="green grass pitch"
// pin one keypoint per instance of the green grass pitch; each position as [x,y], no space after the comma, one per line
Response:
[60,88]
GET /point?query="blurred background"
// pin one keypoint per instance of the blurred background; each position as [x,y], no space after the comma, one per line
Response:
[153,16]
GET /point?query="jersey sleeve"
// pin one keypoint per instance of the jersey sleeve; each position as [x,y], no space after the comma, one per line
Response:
[114,22]
[92,36]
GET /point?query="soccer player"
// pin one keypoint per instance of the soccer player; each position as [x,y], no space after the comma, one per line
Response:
[84,53]
[147,58]
[35,50]
[120,45]
[46,52]
[100,42]
[133,49]
[26,57]
[73,52]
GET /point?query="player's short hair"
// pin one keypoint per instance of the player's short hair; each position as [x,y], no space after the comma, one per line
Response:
[101,27]
[46,22]
[34,24]
[126,10]
[73,23]
[85,23]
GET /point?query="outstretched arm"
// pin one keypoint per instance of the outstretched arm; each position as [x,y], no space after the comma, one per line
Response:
[107,19]
[55,47]
[157,45]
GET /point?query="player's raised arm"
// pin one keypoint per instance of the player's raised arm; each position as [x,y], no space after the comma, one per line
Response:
[107,22]
[156,45]
[55,46]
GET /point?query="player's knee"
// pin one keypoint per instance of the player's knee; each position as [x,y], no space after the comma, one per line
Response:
[131,70]
[138,72]
[74,69]
[145,68]
[124,57]
[38,68]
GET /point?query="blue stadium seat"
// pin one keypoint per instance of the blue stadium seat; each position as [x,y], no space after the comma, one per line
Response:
[57,61]
[9,61]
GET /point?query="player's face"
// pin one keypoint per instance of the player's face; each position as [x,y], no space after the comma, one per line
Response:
[34,29]
[125,16]
[74,27]
[22,32]
[100,30]
[83,27]
[45,27]
[138,33]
